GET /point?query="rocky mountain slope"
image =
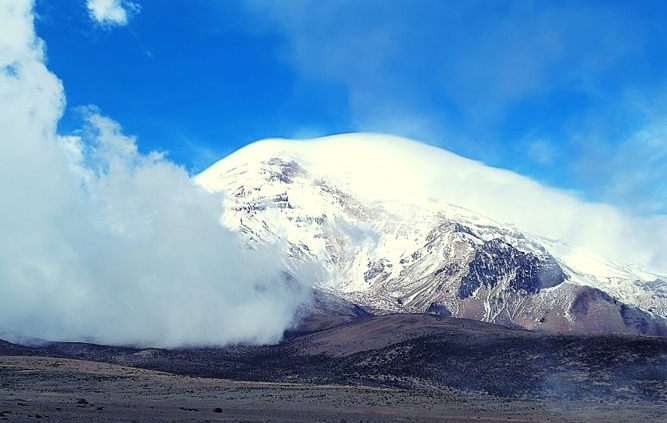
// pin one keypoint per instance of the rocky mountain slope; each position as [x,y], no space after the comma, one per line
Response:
[358,208]
[417,352]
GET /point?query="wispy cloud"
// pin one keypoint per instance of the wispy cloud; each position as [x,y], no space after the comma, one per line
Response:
[640,169]
[542,151]
[112,12]
[101,242]
[619,152]
[391,169]
[478,78]
[479,57]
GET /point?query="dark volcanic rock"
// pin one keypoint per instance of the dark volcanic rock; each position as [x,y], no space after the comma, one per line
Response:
[496,260]
[591,304]
[439,310]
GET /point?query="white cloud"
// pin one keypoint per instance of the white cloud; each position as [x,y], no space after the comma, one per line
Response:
[387,168]
[111,12]
[101,242]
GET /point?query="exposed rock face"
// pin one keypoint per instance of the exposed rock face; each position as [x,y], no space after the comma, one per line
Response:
[420,255]
[497,260]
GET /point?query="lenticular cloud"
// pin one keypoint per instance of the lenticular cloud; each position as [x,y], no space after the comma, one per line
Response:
[99,242]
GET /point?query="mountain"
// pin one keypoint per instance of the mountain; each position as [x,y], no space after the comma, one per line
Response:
[416,352]
[390,223]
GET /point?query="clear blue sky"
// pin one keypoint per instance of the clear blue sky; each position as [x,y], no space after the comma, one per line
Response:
[570,93]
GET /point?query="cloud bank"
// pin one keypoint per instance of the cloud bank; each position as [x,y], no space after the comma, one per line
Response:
[387,168]
[111,12]
[100,242]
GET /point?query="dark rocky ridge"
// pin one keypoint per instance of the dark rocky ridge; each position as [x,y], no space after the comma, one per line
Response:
[496,260]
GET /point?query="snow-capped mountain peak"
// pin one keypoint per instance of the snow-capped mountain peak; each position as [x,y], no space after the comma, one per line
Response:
[401,226]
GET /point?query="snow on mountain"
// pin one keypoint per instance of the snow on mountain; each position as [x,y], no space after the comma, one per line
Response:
[391,223]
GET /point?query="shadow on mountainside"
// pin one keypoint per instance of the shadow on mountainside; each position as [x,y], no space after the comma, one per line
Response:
[416,351]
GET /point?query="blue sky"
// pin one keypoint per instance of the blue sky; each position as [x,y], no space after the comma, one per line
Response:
[570,93]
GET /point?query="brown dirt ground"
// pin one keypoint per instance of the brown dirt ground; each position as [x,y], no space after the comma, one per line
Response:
[60,390]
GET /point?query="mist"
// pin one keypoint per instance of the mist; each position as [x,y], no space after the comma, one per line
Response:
[101,243]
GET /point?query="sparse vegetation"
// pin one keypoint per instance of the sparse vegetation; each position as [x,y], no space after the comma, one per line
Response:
[406,363]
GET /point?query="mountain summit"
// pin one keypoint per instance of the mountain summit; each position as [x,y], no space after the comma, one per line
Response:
[398,226]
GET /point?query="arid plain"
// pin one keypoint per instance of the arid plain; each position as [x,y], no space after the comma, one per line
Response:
[64,390]
[397,368]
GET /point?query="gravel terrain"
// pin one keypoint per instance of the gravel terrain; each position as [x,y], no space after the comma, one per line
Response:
[394,368]
[62,390]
